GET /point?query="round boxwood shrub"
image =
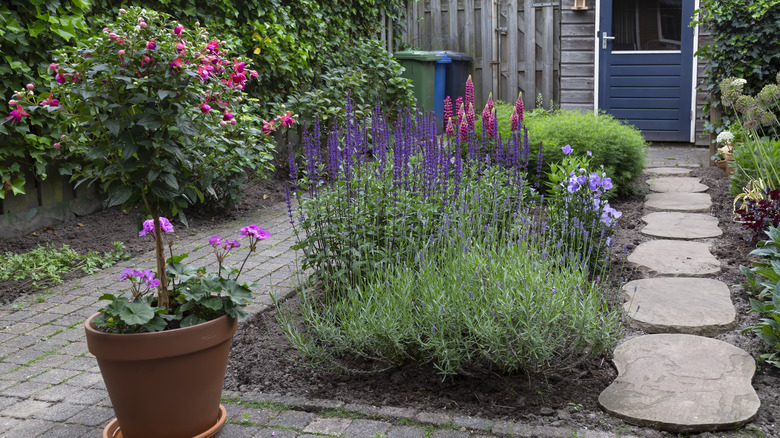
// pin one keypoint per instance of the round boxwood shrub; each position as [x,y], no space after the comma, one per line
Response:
[619,147]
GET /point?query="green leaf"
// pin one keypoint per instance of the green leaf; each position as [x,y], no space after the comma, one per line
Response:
[157,324]
[36,28]
[137,312]
[191,320]
[150,121]
[113,126]
[214,303]
[119,196]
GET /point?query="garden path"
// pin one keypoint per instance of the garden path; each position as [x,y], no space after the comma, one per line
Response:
[675,378]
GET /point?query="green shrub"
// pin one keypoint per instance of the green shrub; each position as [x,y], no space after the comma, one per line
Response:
[616,146]
[755,158]
[763,282]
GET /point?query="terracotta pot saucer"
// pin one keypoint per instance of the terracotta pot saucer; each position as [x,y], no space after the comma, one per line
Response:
[112,429]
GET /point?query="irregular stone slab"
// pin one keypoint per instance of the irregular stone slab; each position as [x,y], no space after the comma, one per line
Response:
[682,383]
[675,225]
[676,184]
[689,202]
[696,306]
[676,171]
[675,258]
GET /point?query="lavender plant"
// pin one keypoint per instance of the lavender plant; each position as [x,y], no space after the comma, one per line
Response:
[375,203]
[577,201]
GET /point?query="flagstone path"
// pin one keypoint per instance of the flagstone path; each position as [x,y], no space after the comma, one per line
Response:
[677,379]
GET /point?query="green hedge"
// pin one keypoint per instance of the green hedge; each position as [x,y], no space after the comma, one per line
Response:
[618,147]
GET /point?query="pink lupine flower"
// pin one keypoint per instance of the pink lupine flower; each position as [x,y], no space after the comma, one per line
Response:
[177,30]
[469,92]
[519,107]
[450,127]
[464,129]
[490,105]
[447,108]
[487,121]
[514,121]
[471,116]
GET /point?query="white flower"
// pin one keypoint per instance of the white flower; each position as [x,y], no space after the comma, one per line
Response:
[740,81]
[724,137]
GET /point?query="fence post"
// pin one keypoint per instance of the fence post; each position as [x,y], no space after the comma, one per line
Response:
[511,40]
[530,54]
[454,42]
[547,56]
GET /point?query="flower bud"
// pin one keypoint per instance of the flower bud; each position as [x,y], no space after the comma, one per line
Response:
[57,145]
[30,87]
[143,25]
[113,36]
[222,123]
[140,19]
[123,11]
[53,66]
[12,102]
[30,93]
[121,52]
[239,99]
[62,137]
[180,46]
[232,121]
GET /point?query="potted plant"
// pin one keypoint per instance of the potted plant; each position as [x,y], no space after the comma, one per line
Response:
[723,154]
[155,115]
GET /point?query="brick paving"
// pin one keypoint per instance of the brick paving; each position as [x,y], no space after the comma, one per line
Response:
[50,385]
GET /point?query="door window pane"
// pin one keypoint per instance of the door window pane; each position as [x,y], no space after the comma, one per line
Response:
[646,24]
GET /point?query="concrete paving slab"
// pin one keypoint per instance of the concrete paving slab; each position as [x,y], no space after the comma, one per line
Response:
[675,258]
[668,171]
[677,225]
[682,383]
[697,306]
[676,184]
[677,156]
[687,202]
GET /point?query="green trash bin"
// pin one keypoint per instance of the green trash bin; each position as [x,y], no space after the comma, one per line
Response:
[420,67]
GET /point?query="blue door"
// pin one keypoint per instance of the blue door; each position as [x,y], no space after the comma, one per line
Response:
[646,65]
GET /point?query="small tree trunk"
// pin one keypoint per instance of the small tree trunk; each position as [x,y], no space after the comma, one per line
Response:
[162,290]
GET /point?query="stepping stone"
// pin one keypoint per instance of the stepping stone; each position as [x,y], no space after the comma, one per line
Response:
[675,258]
[696,306]
[681,225]
[682,383]
[689,202]
[673,184]
[677,171]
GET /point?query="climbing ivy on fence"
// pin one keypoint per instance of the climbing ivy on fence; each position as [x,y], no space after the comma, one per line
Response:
[745,44]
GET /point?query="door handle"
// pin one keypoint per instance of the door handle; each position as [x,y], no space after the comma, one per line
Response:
[604,39]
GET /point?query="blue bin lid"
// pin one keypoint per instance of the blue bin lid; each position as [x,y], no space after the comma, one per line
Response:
[444,58]
[454,56]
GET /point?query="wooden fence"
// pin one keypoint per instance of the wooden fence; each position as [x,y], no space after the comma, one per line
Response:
[498,34]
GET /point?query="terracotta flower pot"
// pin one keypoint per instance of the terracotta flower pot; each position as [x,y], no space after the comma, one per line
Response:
[165,384]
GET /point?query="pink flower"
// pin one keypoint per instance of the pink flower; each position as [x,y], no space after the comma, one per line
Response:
[123,11]
[227,116]
[255,232]
[268,127]
[142,24]
[57,145]
[12,102]
[180,47]
[205,108]
[176,64]
[233,122]
[469,91]
[145,60]
[213,47]
[148,227]
[238,66]
[447,108]
[450,127]
[53,66]
[51,101]
[151,45]
[252,74]
[519,107]
[236,80]
[30,87]
[177,30]
[113,36]
[514,121]
[16,115]
[286,120]
[222,123]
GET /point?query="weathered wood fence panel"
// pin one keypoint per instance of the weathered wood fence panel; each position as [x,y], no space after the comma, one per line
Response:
[505,42]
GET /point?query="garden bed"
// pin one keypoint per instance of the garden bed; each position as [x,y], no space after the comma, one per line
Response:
[262,360]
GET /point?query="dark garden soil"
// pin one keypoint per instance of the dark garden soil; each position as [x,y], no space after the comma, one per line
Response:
[97,232]
[262,360]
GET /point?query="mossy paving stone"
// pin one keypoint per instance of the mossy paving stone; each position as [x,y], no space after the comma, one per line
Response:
[677,225]
[682,383]
[689,202]
[698,306]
